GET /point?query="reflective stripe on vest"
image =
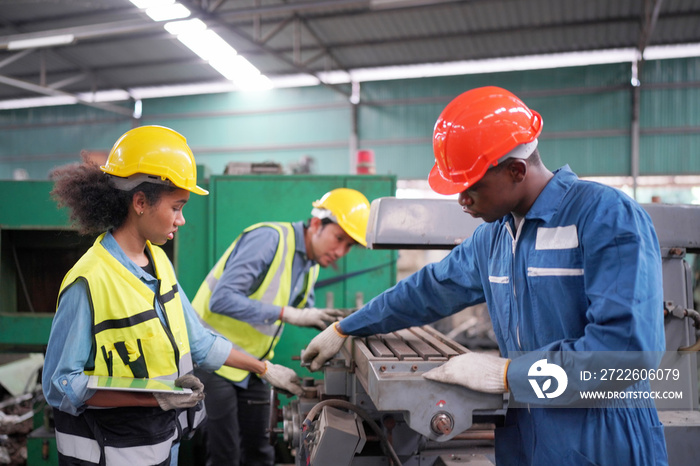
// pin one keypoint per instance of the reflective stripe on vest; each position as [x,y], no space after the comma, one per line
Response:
[114,435]
[85,449]
[255,339]
[81,448]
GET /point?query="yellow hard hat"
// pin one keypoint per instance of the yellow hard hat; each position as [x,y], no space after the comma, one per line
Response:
[156,151]
[350,210]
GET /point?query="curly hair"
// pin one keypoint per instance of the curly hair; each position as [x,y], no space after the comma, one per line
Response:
[95,204]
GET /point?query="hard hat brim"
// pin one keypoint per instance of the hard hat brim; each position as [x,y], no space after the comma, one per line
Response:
[359,239]
[443,186]
[198,190]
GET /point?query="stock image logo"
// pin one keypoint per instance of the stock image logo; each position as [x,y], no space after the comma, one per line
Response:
[543,372]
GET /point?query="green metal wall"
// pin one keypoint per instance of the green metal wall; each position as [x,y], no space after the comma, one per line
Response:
[35,213]
[670,134]
[586,111]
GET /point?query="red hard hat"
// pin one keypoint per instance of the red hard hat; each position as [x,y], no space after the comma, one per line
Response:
[475,130]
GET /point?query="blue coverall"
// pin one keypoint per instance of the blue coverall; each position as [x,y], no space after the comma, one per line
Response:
[581,274]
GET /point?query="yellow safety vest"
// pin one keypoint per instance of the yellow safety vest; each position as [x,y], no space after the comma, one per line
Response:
[130,339]
[257,340]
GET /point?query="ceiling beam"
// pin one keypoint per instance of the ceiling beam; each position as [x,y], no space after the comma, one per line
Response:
[16,56]
[293,8]
[52,89]
[651,15]
[55,92]
[213,19]
[89,31]
[68,81]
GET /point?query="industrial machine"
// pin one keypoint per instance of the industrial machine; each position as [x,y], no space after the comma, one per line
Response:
[377,381]
[373,406]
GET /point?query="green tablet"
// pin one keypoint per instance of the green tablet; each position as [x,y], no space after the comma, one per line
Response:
[103,382]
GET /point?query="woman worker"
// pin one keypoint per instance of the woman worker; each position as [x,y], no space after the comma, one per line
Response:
[122,313]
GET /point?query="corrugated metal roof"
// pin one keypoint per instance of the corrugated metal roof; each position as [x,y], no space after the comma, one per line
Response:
[118,46]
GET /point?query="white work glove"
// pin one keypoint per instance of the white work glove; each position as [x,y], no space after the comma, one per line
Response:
[282,377]
[324,346]
[168,401]
[479,371]
[310,317]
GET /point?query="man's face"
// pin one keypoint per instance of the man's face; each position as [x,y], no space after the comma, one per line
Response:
[327,243]
[490,198]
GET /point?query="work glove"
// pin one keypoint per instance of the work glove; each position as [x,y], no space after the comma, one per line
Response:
[168,401]
[310,317]
[478,371]
[324,346]
[282,377]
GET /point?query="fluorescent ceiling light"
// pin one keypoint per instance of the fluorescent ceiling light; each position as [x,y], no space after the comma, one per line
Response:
[335,77]
[660,52]
[242,73]
[168,12]
[294,80]
[113,95]
[208,45]
[244,67]
[232,70]
[183,27]
[156,92]
[40,42]
[224,59]
[252,83]
[211,47]
[532,62]
[33,102]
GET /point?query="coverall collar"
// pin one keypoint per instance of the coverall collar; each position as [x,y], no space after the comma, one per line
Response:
[552,196]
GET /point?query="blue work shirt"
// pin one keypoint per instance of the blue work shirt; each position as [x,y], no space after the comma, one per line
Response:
[70,342]
[581,274]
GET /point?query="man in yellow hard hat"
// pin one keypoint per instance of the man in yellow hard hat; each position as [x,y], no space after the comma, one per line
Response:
[265,279]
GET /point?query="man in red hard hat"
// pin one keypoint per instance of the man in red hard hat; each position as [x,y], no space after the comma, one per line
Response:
[570,270]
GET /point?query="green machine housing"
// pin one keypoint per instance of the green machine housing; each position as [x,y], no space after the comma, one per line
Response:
[38,246]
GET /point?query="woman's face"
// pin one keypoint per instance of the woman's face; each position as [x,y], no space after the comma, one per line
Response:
[160,222]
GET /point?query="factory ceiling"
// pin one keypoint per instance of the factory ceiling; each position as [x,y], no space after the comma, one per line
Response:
[66,48]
